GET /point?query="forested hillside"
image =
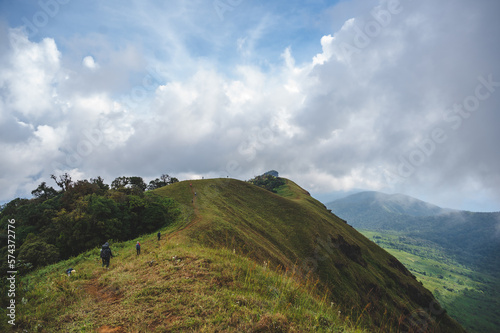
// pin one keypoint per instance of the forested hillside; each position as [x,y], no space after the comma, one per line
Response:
[58,224]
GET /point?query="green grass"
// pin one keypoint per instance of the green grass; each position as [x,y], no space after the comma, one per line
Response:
[293,230]
[173,287]
[470,296]
[240,258]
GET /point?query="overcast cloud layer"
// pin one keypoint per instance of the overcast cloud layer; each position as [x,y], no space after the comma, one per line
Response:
[396,96]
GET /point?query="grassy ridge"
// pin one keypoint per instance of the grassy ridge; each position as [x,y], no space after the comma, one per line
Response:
[171,287]
[240,258]
[472,297]
[291,229]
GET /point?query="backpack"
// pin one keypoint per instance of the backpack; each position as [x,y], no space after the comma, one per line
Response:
[105,252]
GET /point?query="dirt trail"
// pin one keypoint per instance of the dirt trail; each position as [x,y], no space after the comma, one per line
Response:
[196,218]
[106,295]
[109,329]
[102,294]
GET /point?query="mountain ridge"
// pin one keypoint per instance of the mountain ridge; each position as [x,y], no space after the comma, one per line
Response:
[224,226]
[301,217]
[443,248]
[401,203]
[469,235]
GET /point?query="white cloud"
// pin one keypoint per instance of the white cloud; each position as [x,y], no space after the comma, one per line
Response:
[30,73]
[339,120]
[90,63]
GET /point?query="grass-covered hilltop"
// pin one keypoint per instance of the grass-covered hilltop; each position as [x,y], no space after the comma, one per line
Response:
[257,256]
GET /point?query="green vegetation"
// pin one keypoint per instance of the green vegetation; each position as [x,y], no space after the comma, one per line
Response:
[269,182]
[297,232]
[471,238]
[172,287]
[238,258]
[59,224]
[458,251]
[470,296]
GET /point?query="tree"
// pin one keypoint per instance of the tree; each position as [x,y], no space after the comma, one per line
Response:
[164,180]
[137,183]
[168,180]
[119,183]
[37,252]
[149,212]
[79,189]
[129,185]
[64,181]
[154,184]
[44,192]
[100,183]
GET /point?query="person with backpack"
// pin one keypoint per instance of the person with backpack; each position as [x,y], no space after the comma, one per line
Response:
[159,235]
[138,247]
[69,271]
[106,255]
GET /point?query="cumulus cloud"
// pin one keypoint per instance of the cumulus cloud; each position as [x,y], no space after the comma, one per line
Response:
[29,73]
[373,108]
[89,62]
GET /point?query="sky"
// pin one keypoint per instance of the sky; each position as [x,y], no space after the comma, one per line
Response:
[397,96]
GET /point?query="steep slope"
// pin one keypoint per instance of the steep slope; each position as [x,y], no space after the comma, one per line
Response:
[472,238]
[293,231]
[171,287]
[240,258]
[456,254]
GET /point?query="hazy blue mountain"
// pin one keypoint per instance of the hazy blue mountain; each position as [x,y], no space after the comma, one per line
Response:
[335,195]
[473,238]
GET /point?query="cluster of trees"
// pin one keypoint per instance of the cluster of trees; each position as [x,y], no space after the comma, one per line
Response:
[268,181]
[58,224]
[137,184]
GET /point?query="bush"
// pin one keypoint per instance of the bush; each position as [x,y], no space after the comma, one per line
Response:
[268,182]
[37,252]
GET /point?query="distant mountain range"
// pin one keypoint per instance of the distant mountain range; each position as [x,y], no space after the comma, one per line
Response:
[473,238]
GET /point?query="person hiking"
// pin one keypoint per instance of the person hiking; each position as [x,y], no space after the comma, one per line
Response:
[138,247]
[159,235]
[106,255]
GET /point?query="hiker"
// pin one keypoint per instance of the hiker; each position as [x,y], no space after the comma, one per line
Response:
[69,271]
[159,235]
[106,255]
[138,247]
